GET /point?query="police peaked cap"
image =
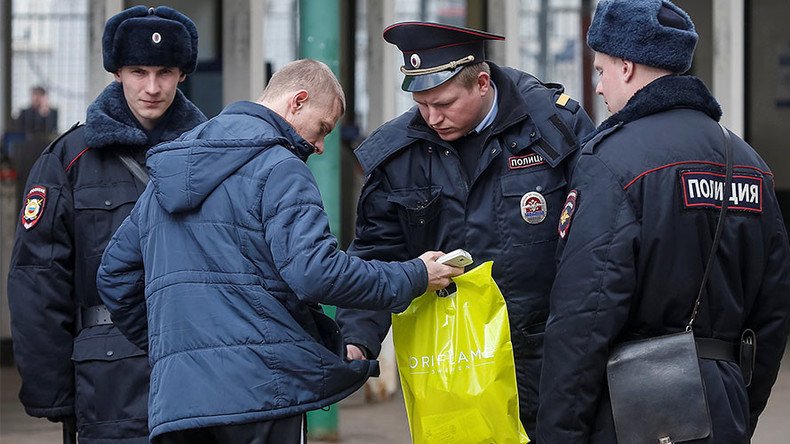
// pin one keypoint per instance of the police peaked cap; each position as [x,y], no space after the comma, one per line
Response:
[649,32]
[144,36]
[433,53]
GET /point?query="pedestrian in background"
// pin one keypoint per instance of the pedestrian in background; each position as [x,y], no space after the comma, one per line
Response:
[74,361]
[637,234]
[481,163]
[40,116]
[219,270]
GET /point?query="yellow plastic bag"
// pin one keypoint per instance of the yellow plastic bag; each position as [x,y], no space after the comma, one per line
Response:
[455,361]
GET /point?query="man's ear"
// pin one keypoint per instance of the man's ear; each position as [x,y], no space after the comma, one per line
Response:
[626,70]
[117,75]
[483,82]
[298,100]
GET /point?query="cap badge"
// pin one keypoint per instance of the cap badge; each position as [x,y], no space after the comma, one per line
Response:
[533,208]
[415,61]
[156,37]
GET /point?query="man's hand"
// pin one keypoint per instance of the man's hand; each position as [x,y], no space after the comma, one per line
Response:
[354,353]
[438,274]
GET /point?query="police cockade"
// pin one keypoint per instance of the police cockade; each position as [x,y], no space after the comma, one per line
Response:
[533,208]
[415,61]
[156,37]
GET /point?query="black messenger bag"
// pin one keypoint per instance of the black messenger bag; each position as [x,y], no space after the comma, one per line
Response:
[655,384]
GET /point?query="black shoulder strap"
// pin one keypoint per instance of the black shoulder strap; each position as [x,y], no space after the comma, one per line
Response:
[719,224]
[133,167]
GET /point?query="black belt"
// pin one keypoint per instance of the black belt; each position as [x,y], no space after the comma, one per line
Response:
[95,315]
[709,348]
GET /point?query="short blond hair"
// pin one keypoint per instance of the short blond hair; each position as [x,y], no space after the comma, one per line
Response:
[468,75]
[306,74]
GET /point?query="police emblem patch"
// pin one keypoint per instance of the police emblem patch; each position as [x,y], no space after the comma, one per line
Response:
[533,208]
[705,189]
[34,206]
[567,213]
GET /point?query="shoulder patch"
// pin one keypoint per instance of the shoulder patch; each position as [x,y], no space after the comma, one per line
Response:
[571,203]
[705,189]
[34,206]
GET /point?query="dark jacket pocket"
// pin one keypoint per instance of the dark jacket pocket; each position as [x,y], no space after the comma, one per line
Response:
[550,184]
[111,385]
[417,208]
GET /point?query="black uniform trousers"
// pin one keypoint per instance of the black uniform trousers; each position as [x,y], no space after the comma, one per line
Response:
[289,430]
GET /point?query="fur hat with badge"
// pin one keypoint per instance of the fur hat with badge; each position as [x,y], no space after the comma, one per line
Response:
[649,32]
[144,36]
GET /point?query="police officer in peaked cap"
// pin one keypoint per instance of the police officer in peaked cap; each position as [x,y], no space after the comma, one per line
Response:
[76,365]
[481,163]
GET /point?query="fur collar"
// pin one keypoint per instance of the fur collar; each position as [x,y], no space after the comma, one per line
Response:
[663,94]
[110,123]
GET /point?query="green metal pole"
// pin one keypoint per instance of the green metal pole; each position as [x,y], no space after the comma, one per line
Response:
[319,39]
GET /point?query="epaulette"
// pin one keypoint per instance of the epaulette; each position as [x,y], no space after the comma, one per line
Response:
[565,101]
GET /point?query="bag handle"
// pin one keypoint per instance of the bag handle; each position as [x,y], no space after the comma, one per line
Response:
[719,224]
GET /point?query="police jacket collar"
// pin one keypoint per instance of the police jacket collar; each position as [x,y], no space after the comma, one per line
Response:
[109,122]
[662,94]
[522,99]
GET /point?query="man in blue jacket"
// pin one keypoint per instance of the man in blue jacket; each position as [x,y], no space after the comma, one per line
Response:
[74,362]
[637,230]
[481,163]
[219,270]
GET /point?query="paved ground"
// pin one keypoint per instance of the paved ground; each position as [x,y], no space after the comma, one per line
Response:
[360,422]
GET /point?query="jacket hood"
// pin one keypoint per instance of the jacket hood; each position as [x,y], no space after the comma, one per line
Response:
[109,121]
[185,171]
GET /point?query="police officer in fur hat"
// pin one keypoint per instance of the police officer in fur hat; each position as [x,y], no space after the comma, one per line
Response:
[481,164]
[637,229]
[74,362]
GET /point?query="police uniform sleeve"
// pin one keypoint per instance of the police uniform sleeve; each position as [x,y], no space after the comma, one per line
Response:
[41,294]
[306,255]
[589,303]
[120,280]
[378,236]
[769,319]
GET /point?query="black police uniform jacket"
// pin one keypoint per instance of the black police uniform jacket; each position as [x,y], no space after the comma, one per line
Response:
[635,251]
[78,193]
[417,197]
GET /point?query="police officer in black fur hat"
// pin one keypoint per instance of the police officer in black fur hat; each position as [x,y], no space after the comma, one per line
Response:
[481,164]
[74,362]
[637,230]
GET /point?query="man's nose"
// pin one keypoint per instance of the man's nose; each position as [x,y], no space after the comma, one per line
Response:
[434,117]
[151,85]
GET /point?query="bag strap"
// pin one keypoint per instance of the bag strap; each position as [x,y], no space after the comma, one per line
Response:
[719,224]
[133,167]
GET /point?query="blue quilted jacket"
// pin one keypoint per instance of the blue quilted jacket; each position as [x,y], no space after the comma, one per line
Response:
[231,245]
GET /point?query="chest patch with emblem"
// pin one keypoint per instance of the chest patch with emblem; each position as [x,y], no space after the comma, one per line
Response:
[533,208]
[705,189]
[567,213]
[34,206]
[526,161]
